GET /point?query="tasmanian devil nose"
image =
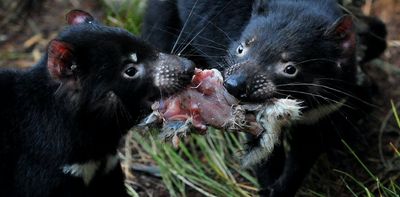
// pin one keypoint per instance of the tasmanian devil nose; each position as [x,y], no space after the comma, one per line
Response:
[236,85]
[188,66]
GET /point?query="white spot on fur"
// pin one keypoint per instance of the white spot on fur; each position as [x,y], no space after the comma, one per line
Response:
[134,57]
[86,171]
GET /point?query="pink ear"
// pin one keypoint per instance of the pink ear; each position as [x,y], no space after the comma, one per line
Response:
[78,16]
[343,31]
[59,60]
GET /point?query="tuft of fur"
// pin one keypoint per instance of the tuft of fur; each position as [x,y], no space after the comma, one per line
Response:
[274,117]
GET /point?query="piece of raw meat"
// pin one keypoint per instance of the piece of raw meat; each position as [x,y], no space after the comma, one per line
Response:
[206,102]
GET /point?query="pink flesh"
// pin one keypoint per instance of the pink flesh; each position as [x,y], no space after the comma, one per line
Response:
[205,102]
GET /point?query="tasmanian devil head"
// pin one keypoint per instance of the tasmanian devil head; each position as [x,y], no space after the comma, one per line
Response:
[291,50]
[105,73]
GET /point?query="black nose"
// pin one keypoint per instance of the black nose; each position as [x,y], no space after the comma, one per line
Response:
[188,66]
[236,85]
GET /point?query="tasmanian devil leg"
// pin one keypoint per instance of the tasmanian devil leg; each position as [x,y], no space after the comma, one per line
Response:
[305,147]
[269,170]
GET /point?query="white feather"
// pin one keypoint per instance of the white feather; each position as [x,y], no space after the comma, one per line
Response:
[273,117]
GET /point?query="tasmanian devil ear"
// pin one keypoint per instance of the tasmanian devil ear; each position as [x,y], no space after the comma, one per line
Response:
[60,59]
[78,16]
[259,7]
[343,30]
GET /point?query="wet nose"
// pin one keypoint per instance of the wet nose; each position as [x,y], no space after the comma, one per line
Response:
[236,85]
[187,66]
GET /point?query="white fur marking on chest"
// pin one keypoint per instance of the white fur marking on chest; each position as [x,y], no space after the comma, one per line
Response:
[86,171]
[314,115]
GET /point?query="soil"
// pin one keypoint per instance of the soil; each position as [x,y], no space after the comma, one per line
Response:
[23,41]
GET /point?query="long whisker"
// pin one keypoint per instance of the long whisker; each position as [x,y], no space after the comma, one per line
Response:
[317,59]
[184,26]
[194,55]
[335,80]
[200,37]
[205,55]
[329,88]
[218,28]
[316,95]
[208,46]
[202,29]
[222,48]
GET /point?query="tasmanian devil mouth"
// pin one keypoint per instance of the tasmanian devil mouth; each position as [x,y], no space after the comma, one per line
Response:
[170,84]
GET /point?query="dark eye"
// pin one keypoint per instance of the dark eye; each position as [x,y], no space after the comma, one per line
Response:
[240,49]
[133,71]
[290,70]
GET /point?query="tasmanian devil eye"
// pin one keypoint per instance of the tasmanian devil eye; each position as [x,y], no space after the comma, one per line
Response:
[290,70]
[131,72]
[240,49]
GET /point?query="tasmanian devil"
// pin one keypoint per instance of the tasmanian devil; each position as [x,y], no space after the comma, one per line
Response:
[62,120]
[299,49]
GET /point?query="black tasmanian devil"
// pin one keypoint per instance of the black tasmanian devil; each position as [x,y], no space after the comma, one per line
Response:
[299,49]
[62,120]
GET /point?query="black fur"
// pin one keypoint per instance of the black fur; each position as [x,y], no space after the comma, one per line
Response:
[204,30]
[74,106]
[260,43]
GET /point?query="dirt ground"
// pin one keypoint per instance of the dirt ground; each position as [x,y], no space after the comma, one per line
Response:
[22,43]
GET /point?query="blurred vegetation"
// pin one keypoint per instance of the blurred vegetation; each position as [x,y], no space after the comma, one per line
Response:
[126,14]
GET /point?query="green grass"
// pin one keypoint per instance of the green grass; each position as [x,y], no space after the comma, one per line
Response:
[396,115]
[388,187]
[206,164]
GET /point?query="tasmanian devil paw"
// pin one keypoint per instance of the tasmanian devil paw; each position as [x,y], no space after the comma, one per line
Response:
[276,190]
[264,192]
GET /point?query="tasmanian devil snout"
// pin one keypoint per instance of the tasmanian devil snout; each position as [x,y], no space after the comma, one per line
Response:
[172,72]
[236,84]
[244,81]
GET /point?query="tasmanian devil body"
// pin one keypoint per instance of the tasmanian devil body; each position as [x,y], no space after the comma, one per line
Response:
[62,120]
[298,49]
